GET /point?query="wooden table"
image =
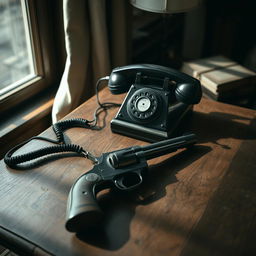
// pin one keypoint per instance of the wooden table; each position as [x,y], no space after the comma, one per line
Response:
[196,202]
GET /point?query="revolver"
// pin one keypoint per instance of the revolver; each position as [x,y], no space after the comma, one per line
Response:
[123,169]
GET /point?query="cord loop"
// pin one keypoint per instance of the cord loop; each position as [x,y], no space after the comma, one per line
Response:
[59,128]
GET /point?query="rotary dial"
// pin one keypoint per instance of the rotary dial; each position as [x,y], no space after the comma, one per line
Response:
[143,105]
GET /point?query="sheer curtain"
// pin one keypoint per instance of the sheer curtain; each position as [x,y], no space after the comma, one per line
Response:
[88,50]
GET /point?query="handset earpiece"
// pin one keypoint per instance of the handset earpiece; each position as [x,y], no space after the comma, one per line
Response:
[188,93]
[118,83]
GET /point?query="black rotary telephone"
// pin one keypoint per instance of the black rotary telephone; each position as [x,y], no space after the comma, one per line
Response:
[158,99]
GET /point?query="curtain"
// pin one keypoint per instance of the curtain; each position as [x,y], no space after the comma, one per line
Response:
[88,50]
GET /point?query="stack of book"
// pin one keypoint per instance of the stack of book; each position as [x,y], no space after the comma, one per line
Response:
[222,79]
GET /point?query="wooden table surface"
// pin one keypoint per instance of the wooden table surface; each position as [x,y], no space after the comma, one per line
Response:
[200,201]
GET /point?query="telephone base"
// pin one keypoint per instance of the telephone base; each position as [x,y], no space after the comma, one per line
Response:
[148,134]
[137,131]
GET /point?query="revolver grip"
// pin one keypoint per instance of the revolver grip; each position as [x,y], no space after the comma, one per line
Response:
[82,207]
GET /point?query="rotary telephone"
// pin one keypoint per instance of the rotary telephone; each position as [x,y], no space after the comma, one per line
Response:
[158,99]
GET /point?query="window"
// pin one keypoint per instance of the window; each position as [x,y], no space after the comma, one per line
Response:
[26,50]
[16,51]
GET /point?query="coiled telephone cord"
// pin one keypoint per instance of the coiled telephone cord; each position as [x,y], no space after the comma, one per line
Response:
[59,128]
[61,147]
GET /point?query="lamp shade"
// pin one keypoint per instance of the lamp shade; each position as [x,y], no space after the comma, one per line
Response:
[165,6]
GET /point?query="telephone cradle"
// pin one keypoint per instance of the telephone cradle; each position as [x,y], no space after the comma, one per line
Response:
[158,102]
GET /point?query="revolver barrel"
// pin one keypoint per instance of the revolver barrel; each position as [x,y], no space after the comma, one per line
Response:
[167,146]
[133,155]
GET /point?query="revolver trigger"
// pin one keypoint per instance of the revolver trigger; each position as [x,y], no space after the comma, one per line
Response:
[128,181]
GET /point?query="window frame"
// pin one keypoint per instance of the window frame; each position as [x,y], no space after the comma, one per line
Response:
[41,20]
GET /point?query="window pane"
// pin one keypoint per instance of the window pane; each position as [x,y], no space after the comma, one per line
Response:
[16,55]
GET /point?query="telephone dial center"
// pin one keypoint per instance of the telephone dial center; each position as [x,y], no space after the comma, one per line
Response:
[143,104]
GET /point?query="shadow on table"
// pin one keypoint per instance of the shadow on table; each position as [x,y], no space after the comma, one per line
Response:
[211,127]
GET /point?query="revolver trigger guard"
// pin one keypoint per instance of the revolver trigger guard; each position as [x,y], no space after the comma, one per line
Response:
[128,181]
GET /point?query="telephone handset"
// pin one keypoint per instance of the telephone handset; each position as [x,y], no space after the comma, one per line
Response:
[158,99]
[188,89]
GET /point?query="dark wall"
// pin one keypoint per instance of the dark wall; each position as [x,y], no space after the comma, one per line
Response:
[230,30]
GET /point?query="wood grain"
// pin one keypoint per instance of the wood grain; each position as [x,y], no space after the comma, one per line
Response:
[195,202]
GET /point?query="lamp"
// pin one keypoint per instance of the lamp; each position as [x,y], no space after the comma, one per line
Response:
[165,6]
